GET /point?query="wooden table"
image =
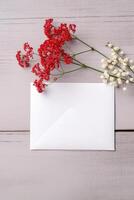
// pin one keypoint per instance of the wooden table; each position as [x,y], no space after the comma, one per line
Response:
[58,175]
[68,175]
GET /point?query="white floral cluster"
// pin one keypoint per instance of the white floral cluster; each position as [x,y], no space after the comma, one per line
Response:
[118,69]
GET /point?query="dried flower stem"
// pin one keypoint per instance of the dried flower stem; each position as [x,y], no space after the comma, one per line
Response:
[84,66]
[81,52]
[91,48]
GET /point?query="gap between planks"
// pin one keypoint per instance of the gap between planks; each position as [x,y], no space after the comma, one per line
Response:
[67,17]
[26,132]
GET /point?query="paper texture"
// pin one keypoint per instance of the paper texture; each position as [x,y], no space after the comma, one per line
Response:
[73,116]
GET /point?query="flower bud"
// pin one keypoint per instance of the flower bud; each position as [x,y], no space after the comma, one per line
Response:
[109,45]
[116,49]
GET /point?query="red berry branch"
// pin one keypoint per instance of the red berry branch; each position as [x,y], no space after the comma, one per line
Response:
[52,55]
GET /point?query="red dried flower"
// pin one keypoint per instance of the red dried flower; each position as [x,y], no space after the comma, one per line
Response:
[41,72]
[48,28]
[39,85]
[24,59]
[28,49]
[63,32]
[51,52]
[67,58]
[72,27]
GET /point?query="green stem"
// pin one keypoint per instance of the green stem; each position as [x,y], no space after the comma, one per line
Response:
[86,66]
[75,54]
[91,48]
[66,72]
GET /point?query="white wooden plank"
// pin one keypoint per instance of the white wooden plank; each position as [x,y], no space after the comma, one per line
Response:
[65,174]
[14,81]
[63,8]
[124,109]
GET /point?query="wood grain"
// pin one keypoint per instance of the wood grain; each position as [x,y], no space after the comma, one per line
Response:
[62,8]
[72,175]
[97,22]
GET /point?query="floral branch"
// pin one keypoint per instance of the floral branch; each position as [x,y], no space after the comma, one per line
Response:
[116,69]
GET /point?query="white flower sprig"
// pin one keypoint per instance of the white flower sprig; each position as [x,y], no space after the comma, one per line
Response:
[118,69]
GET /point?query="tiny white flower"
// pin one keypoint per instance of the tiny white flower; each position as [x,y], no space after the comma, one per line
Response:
[120,70]
[118,74]
[116,49]
[103,60]
[113,54]
[124,88]
[109,61]
[111,78]
[110,66]
[115,71]
[123,67]
[127,81]
[101,76]
[132,67]
[123,73]
[131,79]
[104,65]
[119,81]
[131,61]
[127,73]
[126,60]
[114,62]
[106,75]
[124,64]
[115,57]
[109,45]
[121,53]
[120,60]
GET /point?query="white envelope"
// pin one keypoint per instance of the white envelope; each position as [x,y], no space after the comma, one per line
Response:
[73,116]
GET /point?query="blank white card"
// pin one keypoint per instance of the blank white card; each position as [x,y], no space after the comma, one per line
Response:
[73,116]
